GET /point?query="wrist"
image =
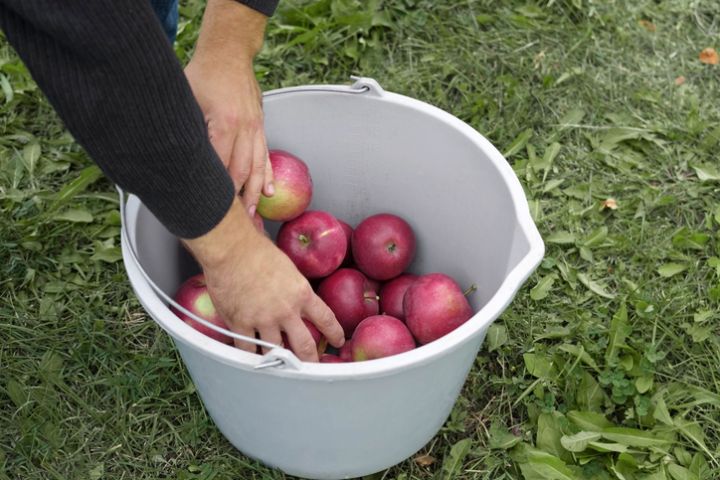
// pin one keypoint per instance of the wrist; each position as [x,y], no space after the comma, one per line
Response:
[231,32]
[231,236]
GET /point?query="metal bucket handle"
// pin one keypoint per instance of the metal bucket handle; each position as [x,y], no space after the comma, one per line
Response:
[278,356]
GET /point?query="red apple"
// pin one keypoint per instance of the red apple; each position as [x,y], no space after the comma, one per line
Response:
[374,285]
[392,293]
[330,358]
[350,297]
[380,336]
[318,337]
[383,246]
[193,295]
[345,353]
[315,242]
[347,261]
[293,188]
[435,306]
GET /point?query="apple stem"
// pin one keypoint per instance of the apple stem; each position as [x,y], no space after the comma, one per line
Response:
[372,297]
[470,290]
[303,239]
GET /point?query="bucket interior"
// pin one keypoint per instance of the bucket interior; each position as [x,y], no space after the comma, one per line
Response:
[370,155]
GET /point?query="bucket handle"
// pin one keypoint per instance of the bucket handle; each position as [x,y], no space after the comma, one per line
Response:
[276,357]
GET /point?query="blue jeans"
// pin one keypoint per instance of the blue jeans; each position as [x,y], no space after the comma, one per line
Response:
[167,13]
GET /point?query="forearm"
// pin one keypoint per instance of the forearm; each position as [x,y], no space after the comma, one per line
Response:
[231,33]
[114,80]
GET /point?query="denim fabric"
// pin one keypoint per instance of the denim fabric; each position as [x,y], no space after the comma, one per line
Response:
[167,13]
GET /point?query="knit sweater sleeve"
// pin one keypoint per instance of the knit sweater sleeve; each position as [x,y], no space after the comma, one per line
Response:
[263,6]
[112,76]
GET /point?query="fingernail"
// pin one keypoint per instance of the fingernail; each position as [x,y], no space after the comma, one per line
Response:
[251,210]
[270,189]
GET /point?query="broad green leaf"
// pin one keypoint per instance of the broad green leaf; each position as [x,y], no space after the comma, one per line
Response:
[714,262]
[680,473]
[579,351]
[614,136]
[619,329]
[97,472]
[554,331]
[453,462]
[594,287]
[108,255]
[500,438]
[561,238]
[548,158]
[589,421]
[17,393]
[496,336]
[717,215]
[579,441]
[700,467]
[658,474]
[590,395]
[539,365]
[553,184]
[633,437]
[31,154]
[543,287]
[572,118]
[702,316]
[686,238]
[693,432]
[643,384]
[549,433]
[661,412]
[548,466]
[608,447]
[596,238]
[86,178]
[706,172]
[519,143]
[6,88]
[78,215]
[669,269]
[699,332]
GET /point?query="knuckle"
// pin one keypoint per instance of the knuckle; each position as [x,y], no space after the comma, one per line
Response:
[306,348]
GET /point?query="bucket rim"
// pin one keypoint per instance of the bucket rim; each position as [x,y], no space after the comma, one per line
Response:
[419,356]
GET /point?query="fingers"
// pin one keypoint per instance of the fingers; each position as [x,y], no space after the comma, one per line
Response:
[241,163]
[271,335]
[256,180]
[301,340]
[268,188]
[242,345]
[324,319]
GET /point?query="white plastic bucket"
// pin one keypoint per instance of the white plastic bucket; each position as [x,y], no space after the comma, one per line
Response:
[369,151]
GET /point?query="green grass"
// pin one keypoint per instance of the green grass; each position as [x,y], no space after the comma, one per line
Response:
[582,98]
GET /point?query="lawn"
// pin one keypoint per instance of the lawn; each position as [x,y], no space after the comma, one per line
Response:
[605,366]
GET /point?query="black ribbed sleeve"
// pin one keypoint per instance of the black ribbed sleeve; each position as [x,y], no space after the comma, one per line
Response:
[112,76]
[263,6]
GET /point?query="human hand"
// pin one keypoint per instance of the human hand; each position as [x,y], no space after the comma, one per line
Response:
[223,81]
[256,287]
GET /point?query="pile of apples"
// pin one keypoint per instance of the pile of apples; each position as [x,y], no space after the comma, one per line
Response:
[360,273]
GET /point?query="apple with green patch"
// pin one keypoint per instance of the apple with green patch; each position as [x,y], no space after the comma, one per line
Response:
[193,295]
[293,188]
